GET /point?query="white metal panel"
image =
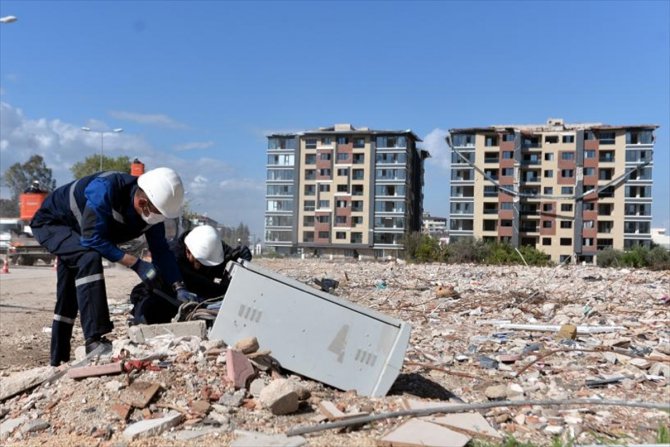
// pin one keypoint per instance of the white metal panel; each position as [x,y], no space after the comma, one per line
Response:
[311,332]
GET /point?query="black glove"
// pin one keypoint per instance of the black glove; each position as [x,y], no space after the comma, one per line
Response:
[146,271]
[242,251]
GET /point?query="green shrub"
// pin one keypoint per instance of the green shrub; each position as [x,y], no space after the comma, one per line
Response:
[609,258]
[656,258]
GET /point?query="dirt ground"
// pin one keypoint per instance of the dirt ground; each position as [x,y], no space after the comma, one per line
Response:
[458,352]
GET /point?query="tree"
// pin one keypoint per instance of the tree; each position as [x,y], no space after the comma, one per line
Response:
[9,208]
[18,177]
[91,165]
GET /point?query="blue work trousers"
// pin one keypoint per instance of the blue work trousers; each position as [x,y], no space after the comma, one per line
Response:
[81,286]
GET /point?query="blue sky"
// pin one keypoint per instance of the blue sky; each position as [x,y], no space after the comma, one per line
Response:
[197,85]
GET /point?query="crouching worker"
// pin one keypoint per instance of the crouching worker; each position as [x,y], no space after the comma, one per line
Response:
[202,257]
[81,223]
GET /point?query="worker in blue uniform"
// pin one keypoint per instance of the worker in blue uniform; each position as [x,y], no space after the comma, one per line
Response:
[82,222]
[202,258]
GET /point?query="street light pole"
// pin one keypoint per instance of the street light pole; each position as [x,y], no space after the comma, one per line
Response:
[102,138]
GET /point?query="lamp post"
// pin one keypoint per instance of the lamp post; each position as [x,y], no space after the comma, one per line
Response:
[102,138]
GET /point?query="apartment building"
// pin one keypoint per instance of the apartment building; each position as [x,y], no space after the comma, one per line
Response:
[343,191]
[570,190]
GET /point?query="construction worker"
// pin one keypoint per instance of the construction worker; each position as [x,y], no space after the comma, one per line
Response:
[81,223]
[202,257]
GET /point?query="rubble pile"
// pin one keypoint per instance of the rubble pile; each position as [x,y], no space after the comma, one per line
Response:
[479,334]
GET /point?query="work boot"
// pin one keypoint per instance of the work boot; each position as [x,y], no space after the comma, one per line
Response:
[98,345]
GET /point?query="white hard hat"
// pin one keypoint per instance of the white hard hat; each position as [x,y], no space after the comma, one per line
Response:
[205,244]
[165,190]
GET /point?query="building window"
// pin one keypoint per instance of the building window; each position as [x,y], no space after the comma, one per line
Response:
[568,138]
[324,234]
[357,205]
[567,155]
[548,190]
[566,241]
[588,224]
[340,235]
[309,190]
[546,224]
[343,172]
[310,143]
[589,171]
[342,188]
[308,205]
[324,203]
[310,159]
[548,173]
[546,241]
[359,159]
[357,174]
[342,156]
[551,139]
[590,154]
[640,137]
[356,238]
[567,190]
[508,137]
[507,155]
[308,236]
[324,172]
[507,172]
[326,141]
[359,143]
[505,223]
[341,203]
[324,187]
[342,140]
[549,156]
[323,219]
[547,207]
[325,156]
[491,140]
[356,220]
[567,173]
[340,220]
[606,137]
[308,221]
[566,224]
[566,207]
[506,205]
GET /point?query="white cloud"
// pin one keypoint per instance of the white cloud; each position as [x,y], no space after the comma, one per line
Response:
[193,146]
[63,144]
[152,119]
[439,151]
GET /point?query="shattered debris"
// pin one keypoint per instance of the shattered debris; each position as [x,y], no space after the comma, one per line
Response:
[479,335]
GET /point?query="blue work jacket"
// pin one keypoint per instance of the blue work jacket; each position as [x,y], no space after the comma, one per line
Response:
[99,207]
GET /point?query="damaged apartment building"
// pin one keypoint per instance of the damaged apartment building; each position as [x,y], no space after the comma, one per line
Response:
[343,191]
[569,190]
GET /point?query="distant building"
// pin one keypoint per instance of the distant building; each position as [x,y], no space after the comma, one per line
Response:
[343,191]
[567,189]
[434,226]
[659,237]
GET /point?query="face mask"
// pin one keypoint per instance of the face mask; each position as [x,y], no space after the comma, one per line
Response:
[152,218]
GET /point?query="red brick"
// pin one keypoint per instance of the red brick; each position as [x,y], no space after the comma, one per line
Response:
[238,368]
[96,370]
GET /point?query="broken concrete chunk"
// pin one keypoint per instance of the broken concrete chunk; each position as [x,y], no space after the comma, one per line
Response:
[417,432]
[496,392]
[35,425]
[330,411]
[640,363]
[142,332]
[471,422]
[23,381]
[660,369]
[8,426]
[256,387]
[139,394]
[152,427]
[247,345]
[238,368]
[254,439]
[280,397]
